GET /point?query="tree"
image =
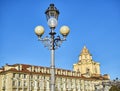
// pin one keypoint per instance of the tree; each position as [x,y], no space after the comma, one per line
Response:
[114,88]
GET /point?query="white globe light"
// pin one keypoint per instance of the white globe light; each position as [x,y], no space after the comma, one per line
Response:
[52,22]
[39,30]
[64,30]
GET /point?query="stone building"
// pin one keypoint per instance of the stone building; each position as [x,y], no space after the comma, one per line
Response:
[86,65]
[85,76]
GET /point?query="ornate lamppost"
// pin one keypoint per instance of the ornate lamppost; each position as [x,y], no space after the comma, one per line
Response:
[52,42]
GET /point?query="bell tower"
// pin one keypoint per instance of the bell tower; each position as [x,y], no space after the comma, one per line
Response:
[85,56]
[86,65]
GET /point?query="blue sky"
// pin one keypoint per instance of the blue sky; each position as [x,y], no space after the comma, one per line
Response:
[94,23]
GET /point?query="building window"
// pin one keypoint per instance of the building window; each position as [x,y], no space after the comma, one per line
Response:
[31,76]
[25,76]
[14,75]
[13,83]
[19,75]
[87,70]
[37,76]
[19,84]
[38,84]
[32,84]
[25,84]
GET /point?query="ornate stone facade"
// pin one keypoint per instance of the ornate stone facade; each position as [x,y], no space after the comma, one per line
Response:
[86,65]
[22,77]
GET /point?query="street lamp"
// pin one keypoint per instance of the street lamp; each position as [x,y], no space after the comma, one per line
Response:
[52,42]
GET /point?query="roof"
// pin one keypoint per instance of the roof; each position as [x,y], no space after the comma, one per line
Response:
[31,69]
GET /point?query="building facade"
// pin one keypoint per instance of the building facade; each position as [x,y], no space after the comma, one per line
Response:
[86,65]
[84,77]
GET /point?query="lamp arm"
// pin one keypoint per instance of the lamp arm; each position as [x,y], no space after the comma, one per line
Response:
[47,41]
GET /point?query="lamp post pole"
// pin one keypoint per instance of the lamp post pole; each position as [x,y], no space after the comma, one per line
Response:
[52,42]
[52,70]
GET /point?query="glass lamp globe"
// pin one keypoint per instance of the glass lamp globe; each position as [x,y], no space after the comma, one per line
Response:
[52,22]
[39,31]
[64,30]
